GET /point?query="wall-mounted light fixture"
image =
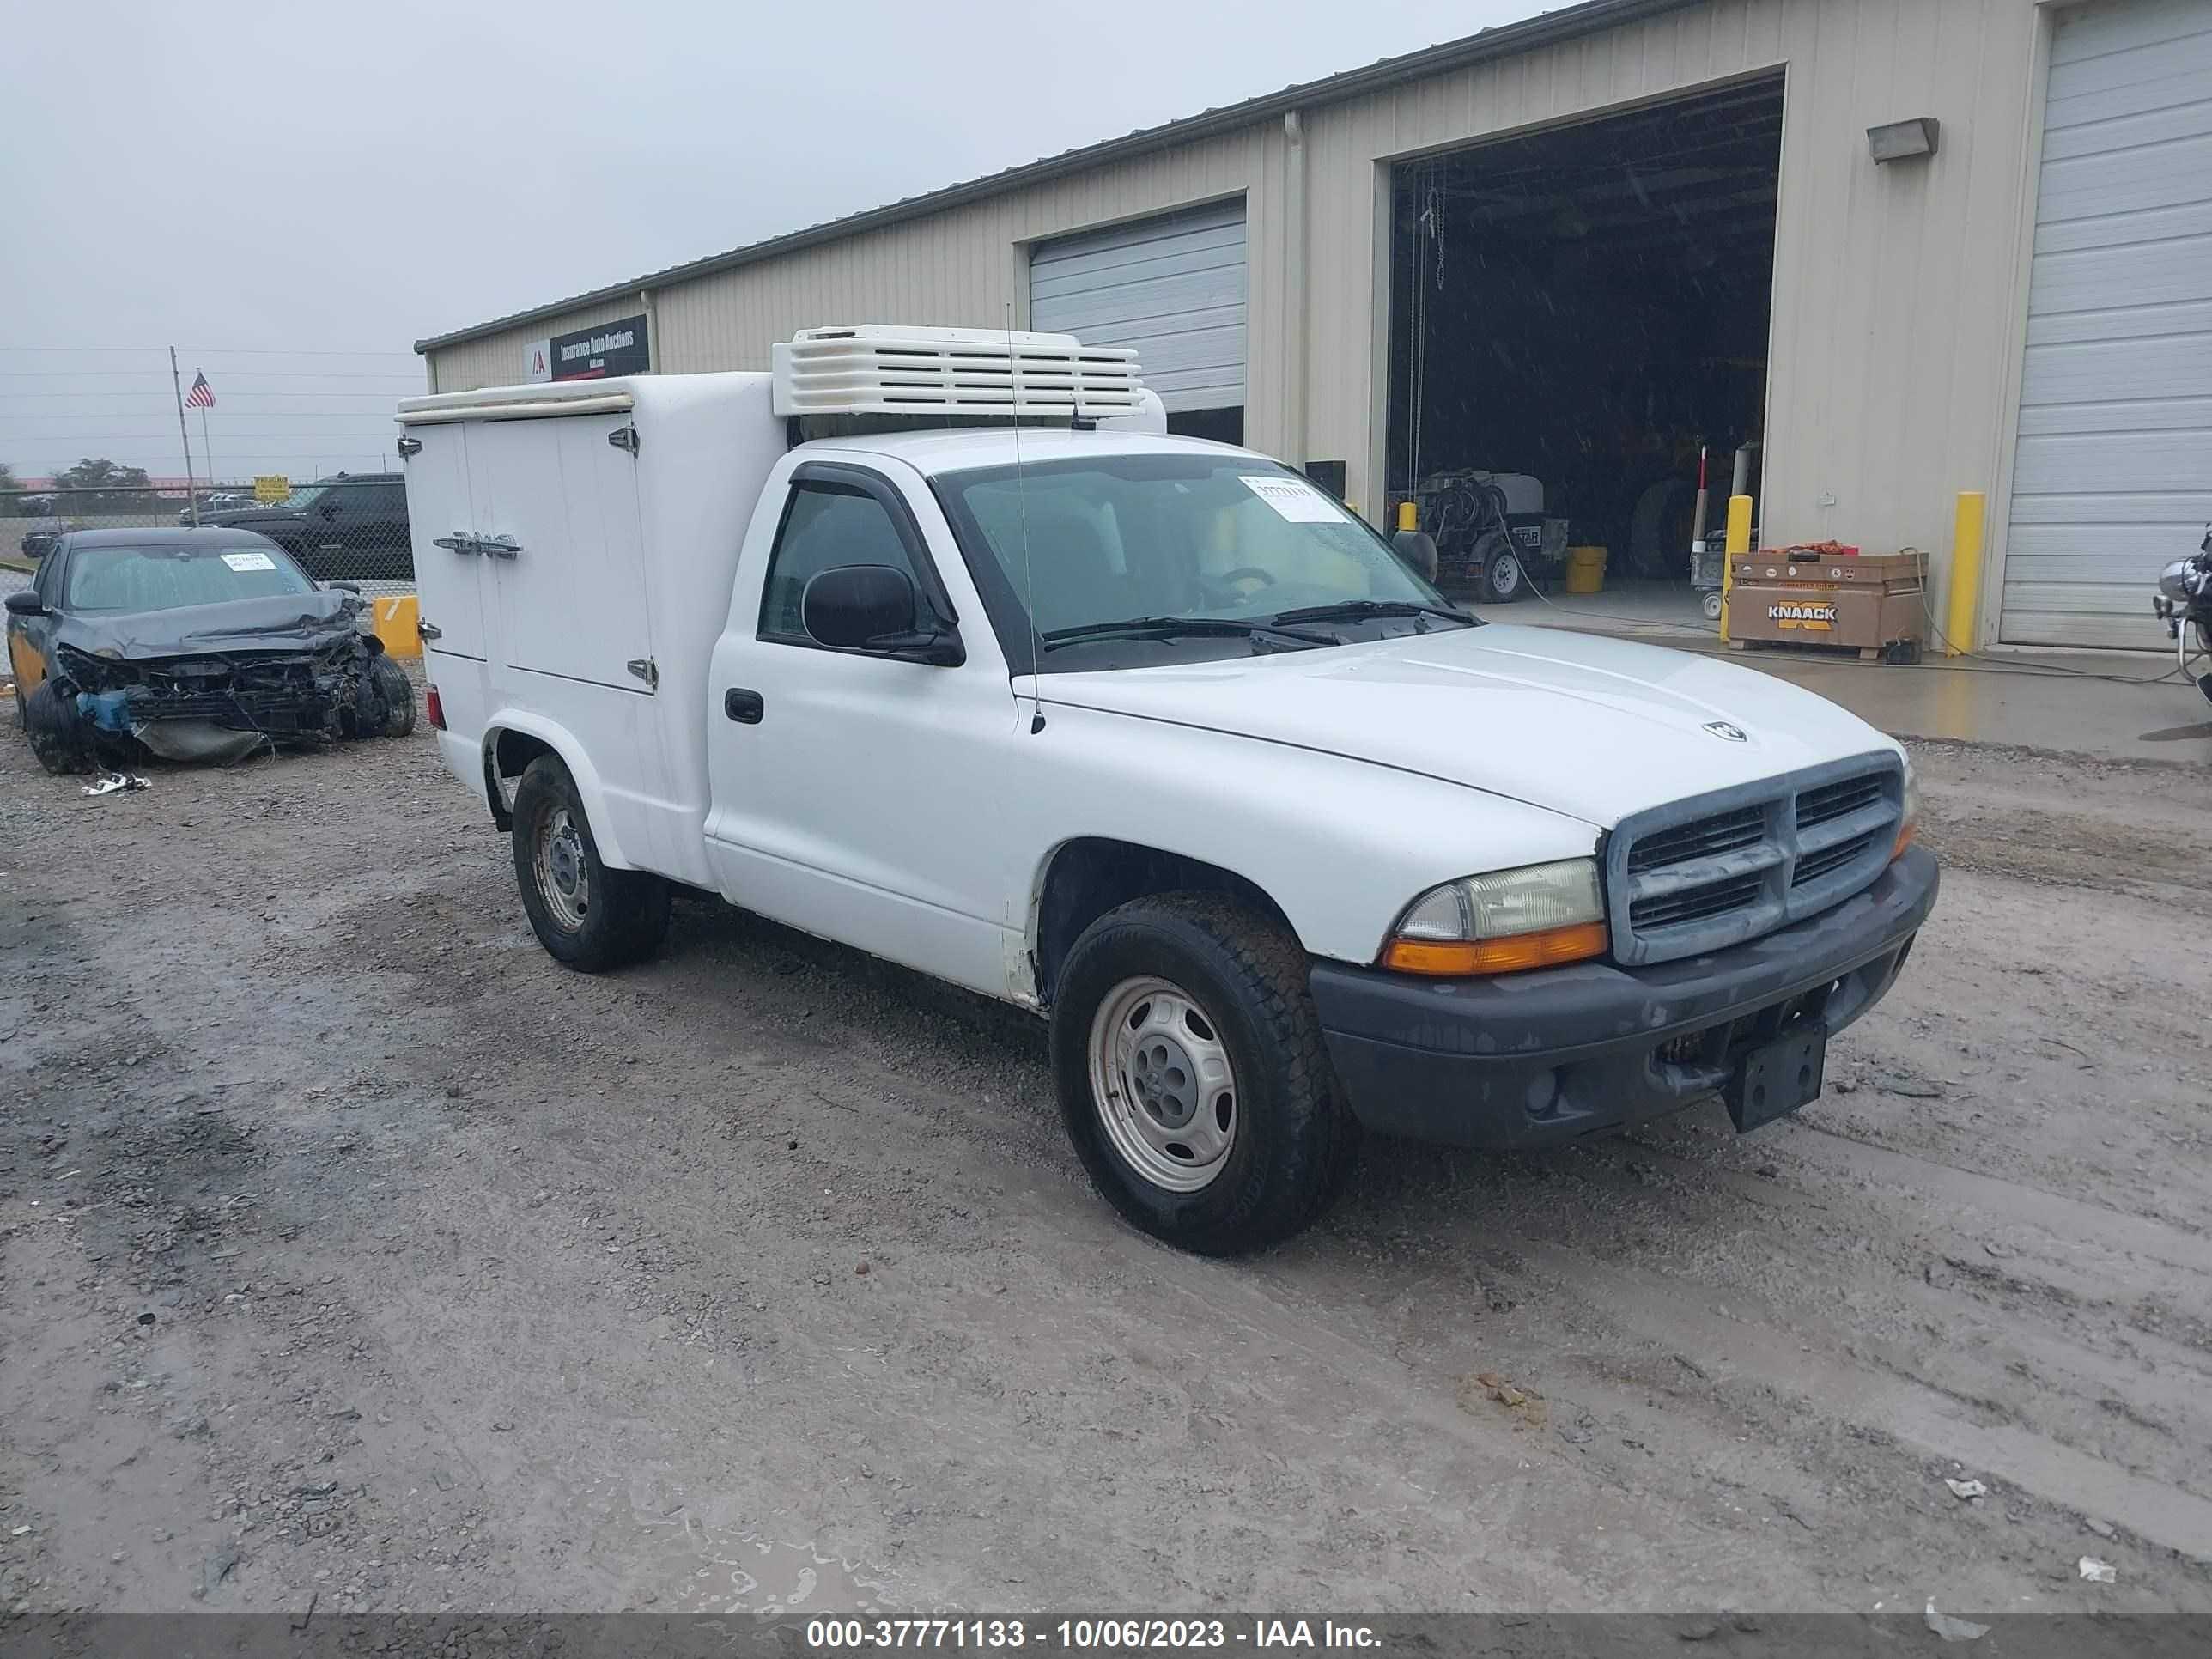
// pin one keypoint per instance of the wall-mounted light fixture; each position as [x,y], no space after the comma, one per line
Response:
[1900,141]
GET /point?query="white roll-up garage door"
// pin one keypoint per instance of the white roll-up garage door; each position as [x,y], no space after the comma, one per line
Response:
[2114,474]
[1173,287]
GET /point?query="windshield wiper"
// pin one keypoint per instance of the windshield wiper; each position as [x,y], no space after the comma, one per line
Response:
[1359,610]
[1168,627]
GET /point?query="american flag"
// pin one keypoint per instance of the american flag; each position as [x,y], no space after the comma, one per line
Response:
[202,396]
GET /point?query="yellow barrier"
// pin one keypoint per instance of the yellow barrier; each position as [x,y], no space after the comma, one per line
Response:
[394,621]
[1738,544]
[1962,626]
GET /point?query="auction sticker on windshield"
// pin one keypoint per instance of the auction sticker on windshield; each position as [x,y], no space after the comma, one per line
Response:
[249,561]
[1295,500]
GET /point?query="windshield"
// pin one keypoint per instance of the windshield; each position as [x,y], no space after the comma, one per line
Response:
[1115,538]
[127,578]
[305,496]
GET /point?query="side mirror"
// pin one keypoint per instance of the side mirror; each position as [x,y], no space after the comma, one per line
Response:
[1417,549]
[26,604]
[872,607]
[353,588]
[328,510]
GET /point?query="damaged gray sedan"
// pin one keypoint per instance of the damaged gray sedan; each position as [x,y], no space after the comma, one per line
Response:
[193,645]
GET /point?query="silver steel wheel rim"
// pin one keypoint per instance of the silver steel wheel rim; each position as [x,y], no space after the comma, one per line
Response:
[1505,574]
[564,874]
[1163,1085]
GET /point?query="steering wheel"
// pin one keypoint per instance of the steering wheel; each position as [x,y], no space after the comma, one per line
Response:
[1222,583]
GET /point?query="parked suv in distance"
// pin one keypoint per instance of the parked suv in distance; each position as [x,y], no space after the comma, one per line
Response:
[351,527]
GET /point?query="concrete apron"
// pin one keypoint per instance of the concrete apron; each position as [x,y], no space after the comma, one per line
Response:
[2047,700]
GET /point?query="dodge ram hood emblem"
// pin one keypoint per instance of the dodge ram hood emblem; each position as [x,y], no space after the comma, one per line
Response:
[1727,729]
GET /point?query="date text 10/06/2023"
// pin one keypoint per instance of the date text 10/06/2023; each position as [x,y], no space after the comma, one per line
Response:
[1087,1634]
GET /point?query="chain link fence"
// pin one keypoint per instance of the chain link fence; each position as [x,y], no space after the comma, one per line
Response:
[349,527]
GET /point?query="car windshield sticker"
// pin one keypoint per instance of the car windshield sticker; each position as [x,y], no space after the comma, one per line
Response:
[1295,499]
[249,561]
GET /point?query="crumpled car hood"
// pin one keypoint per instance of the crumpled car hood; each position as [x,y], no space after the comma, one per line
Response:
[280,621]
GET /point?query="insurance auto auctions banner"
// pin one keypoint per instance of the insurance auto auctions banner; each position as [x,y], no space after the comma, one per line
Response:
[589,354]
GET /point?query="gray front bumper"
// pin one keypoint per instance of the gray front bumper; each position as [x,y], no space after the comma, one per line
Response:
[1532,1059]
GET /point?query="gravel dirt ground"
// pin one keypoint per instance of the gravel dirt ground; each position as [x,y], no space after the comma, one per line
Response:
[352,1251]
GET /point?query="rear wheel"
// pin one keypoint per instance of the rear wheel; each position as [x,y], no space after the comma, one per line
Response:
[585,914]
[1192,1076]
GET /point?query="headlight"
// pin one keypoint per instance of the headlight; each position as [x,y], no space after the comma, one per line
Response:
[1538,917]
[89,672]
[1908,824]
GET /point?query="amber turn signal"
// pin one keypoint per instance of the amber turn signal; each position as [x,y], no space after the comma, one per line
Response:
[1906,833]
[1455,959]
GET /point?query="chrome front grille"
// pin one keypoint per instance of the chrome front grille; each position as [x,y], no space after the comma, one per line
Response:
[1705,874]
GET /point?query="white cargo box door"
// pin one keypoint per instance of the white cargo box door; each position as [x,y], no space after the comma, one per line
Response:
[572,597]
[449,585]
[2113,473]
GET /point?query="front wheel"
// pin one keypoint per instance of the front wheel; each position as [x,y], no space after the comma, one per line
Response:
[392,697]
[585,914]
[59,736]
[1192,1076]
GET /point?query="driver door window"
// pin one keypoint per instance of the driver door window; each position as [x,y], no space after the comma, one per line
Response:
[825,526]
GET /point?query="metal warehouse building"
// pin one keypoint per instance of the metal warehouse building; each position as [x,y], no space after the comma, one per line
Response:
[1891,250]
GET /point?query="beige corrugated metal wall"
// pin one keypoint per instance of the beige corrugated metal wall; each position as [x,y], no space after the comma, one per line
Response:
[1899,302]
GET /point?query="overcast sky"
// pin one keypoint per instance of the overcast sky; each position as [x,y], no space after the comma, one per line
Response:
[293,194]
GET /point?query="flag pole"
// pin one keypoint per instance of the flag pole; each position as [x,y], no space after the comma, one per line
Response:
[192,494]
[207,449]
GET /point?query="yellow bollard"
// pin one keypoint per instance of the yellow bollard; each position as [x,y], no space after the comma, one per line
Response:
[394,621]
[1738,544]
[1409,516]
[1962,624]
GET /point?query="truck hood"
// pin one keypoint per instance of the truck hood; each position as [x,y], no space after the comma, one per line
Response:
[251,517]
[1595,728]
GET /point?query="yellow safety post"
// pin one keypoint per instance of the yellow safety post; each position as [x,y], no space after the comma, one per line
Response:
[1409,516]
[1961,626]
[396,622]
[1738,544]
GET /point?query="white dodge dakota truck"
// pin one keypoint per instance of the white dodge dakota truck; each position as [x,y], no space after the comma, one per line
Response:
[1149,736]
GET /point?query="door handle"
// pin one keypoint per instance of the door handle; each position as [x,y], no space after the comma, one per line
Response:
[743,707]
[458,541]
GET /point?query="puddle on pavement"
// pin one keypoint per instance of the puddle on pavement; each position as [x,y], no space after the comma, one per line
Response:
[707,1557]
[754,1574]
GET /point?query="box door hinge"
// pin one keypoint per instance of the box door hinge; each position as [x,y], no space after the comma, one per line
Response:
[624,437]
[409,448]
[646,669]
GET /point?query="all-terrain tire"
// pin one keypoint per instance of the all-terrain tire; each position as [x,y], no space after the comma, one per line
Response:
[606,918]
[1295,1141]
[59,736]
[395,697]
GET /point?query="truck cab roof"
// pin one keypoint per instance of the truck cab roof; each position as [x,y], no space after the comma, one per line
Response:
[943,451]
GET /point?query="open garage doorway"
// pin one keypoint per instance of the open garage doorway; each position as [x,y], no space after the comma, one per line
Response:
[1575,313]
